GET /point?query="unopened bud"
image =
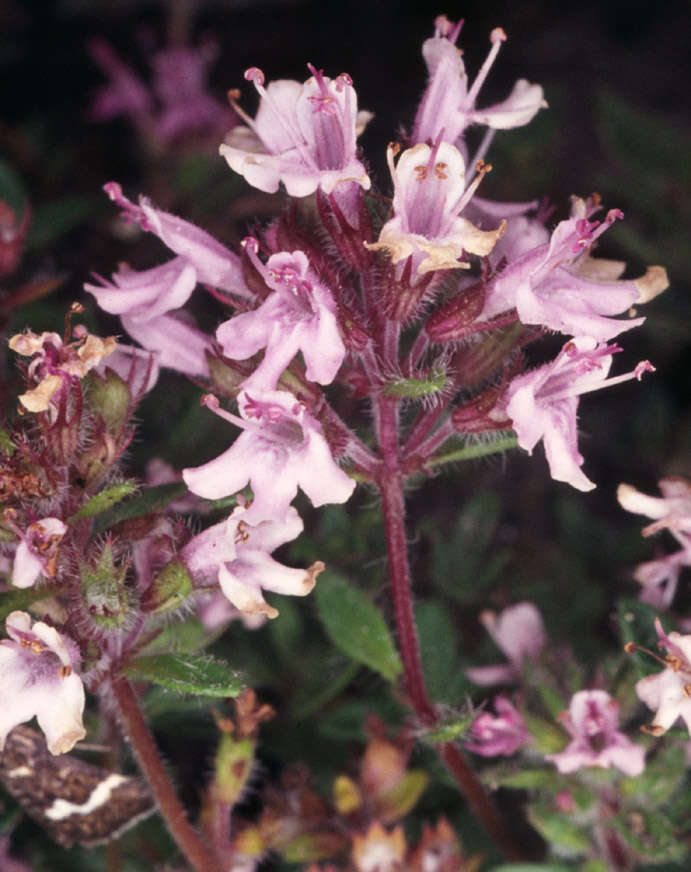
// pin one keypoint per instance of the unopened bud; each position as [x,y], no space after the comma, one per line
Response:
[105,593]
[170,589]
[234,760]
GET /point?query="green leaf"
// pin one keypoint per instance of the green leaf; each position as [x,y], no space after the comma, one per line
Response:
[558,830]
[451,730]
[103,501]
[522,779]
[149,499]
[483,444]
[356,626]
[7,446]
[18,600]
[187,674]
[439,651]
[417,388]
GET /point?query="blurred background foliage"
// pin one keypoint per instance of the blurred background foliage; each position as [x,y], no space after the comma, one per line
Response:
[482,535]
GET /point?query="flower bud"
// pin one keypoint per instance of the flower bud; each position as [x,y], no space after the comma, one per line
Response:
[455,318]
[108,395]
[106,596]
[170,589]
[234,760]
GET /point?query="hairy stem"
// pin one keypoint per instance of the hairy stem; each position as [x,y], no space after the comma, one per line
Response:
[390,483]
[146,752]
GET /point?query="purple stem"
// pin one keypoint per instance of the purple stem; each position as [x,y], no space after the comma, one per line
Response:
[390,484]
[146,752]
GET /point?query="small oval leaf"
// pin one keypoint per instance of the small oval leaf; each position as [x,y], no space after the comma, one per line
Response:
[187,674]
[103,501]
[356,626]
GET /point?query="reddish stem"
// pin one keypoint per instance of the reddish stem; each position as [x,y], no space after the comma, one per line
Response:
[390,483]
[146,752]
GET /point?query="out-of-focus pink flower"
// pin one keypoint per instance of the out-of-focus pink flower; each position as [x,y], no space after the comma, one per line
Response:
[125,93]
[174,104]
[300,315]
[543,403]
[670,512]
[281,448]
[37,678]
[559,286]
[429,195]
[668,693]
[179,82]
[519,632]
[448,104]
[239,555]
[303,135]
[37,551]
[592,721]
[503,733]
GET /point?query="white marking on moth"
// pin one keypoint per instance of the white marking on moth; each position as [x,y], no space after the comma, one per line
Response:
[20,772]
[62,808]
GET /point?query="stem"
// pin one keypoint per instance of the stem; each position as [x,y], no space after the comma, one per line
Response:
[147,755]
[479,801]
[390,483]
[393,507]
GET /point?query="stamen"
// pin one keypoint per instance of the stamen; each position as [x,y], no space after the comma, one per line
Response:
[210,402]
[632,647]
[36,647]
[65,671]
[241,533]
[496,38]
[75,309]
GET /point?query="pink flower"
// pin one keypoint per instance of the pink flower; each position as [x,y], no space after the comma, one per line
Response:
[238,554]
[125,93]
[592,721]
[519,632]
[502,734]
[37,552]
[281,448]
[669,692]
[429,195]
[179,82]
[303,136]
[176,103]
[448,105]
[144,299]
[212,263]
[672,512]
[559,286]
[37,678]
[300,315]
[542,403]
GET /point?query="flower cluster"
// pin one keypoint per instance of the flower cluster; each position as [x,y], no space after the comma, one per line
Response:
[363,338]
